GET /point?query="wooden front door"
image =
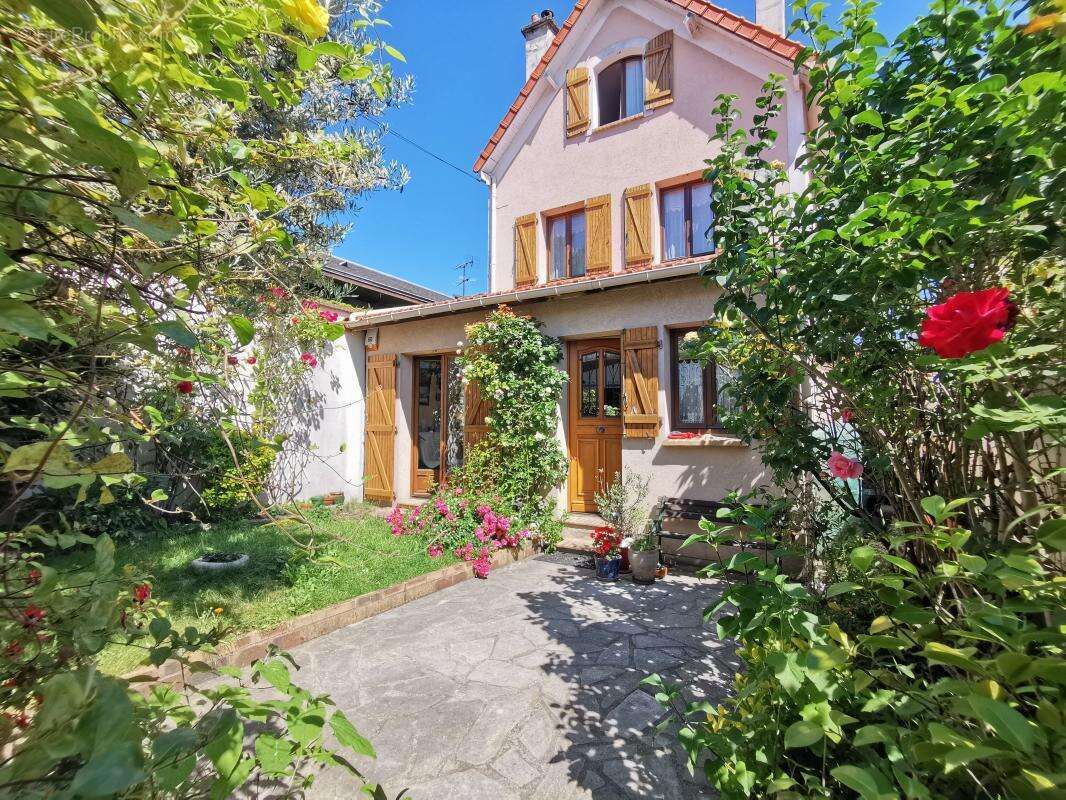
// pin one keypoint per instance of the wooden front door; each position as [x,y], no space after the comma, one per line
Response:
[595,436]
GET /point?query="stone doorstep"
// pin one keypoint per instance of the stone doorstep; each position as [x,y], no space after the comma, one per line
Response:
[250,646]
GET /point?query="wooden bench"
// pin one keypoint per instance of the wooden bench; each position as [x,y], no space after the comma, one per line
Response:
[670,508]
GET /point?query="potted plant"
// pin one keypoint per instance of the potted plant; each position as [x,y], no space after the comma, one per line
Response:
[607,542]
[644,558]
[621,504]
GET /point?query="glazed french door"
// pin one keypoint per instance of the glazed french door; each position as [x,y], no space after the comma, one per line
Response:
[595,413]
[438,421]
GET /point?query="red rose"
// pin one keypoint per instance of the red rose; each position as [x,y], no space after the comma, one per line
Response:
[13,650]
[309,360]
[278,292]
[141,593]
[185,387]
[231,360]
[328,316]
[250,359]
[847,415]
[32,616]
[34,577]
[967,322]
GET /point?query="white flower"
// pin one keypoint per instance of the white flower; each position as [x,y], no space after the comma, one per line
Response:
[691,337]
[498,394]
[458,352]
[538,435]
[459,343]
[627,542]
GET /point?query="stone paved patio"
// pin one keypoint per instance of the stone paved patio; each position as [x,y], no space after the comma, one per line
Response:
[522,686]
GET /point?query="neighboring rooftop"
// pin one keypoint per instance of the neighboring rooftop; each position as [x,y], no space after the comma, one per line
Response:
[378,289]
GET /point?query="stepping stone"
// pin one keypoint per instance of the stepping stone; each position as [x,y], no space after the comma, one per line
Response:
[634,715]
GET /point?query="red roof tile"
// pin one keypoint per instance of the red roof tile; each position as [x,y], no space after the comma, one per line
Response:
[758,35]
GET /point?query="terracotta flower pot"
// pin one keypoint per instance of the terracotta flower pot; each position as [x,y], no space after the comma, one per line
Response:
[644,563]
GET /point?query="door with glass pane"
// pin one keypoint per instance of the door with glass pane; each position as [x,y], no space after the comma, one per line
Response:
[595,415]
[437,445]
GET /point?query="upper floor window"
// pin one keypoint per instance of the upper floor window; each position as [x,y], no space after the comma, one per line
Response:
[686,220]
[566,245]
[620,89]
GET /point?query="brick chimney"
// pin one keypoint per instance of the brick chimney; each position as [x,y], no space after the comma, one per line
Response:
[539,34]
[771,14]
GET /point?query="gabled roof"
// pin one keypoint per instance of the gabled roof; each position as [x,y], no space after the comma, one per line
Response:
[727,21]
[361,275]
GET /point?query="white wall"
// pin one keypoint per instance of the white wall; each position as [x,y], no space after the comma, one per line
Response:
[324,451]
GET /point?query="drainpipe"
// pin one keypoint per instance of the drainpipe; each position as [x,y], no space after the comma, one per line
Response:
[491,260]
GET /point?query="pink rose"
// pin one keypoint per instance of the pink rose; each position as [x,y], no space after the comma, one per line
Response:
[329,316]
[309,360]
[841,466]
[435,550]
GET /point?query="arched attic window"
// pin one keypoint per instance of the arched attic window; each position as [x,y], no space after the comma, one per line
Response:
[620,89]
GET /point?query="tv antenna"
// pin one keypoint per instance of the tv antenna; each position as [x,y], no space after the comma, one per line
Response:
[464,278]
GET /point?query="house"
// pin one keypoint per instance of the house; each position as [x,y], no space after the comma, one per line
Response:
[371,288]
[599,227]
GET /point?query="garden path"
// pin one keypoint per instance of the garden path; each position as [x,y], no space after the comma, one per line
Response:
[525,686]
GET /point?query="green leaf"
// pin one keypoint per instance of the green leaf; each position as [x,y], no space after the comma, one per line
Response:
[868,117]
[392,51]
[868,782]
[802,734]
[74,15]
[159,628]
[243,328]
[23,319]
[1053,534]
[1008,724]
[276,674]
[110,772]
[157,227]
[275,756]
[224,749]
[104,550]
[862,557]
[841,588]
[20,281]
[348,736]
[177,332]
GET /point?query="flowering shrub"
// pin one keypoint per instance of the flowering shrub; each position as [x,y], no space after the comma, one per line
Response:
[514,366]
[967,322]
[453,522]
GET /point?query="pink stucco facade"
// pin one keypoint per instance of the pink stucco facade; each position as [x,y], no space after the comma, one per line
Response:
[538,169]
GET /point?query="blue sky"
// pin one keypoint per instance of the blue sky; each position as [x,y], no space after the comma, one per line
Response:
[468,64]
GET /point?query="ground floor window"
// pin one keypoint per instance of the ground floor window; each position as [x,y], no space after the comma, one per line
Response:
[699,394]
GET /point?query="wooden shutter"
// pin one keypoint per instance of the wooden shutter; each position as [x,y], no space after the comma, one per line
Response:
[525,251]
[379,449]
[659,70]
[475,409]
[598,234]
[577,101]
[637,211]
[640,416]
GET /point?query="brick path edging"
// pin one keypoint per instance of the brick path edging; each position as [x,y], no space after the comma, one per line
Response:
[253,645]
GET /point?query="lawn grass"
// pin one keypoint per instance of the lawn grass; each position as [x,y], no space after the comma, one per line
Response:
[279,583]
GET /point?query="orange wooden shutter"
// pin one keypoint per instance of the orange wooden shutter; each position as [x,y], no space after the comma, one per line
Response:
[598,234]
[659,70]
[577,101]
[641,386]
[637,211]
[379,449]
[475,409]
[525,250]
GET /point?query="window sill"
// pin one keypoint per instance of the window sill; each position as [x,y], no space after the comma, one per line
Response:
[706,440]
[618,123]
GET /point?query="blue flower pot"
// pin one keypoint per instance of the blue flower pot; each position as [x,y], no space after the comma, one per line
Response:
[608,569]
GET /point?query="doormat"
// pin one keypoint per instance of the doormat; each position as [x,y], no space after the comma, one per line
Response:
[579,560]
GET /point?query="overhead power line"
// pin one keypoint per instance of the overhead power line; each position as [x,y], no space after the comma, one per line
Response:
[428,152]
